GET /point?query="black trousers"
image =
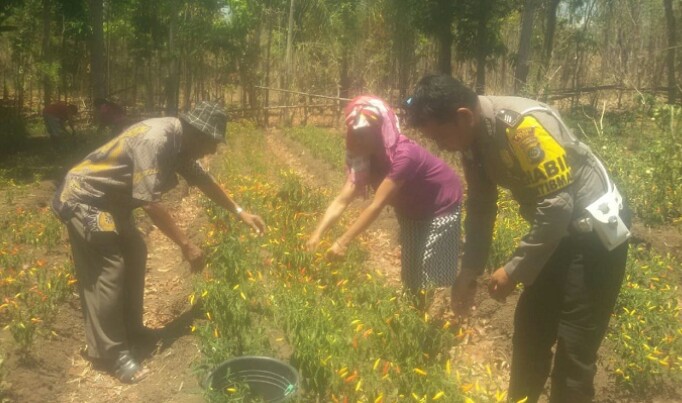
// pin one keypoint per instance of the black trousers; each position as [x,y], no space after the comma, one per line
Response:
[110,268]
[569,304]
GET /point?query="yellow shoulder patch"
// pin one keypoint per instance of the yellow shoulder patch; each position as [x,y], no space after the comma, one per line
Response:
[541,157]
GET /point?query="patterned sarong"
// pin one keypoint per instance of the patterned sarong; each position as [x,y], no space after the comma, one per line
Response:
[430,251]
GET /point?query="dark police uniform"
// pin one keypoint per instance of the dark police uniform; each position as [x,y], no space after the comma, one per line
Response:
[571,280]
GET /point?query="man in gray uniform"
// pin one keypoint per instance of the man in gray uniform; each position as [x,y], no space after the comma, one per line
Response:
[96,201]
[571,274]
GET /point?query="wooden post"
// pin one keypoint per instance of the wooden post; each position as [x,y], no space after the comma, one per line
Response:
[305,110]
[670,54]
[289,57]
[266,114]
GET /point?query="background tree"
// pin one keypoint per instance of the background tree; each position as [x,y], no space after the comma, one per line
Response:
[435,19]
[97,61]
[550,28]
[478,34]
[160,57]
[523,55]
[672,44]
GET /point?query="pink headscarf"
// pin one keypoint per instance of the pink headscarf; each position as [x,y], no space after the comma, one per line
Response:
[365,111]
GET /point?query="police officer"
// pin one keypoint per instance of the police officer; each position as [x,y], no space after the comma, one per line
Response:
[572,260]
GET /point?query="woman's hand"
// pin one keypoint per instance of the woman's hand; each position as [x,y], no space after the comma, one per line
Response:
[312,243]
[337,251]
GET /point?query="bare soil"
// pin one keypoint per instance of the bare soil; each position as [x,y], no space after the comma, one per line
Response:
[663,239]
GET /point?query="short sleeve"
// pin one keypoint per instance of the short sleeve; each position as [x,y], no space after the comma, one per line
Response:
[405,163]
[152,174]
[193,172]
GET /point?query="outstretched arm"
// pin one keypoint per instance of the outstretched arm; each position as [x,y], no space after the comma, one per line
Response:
[219,196]
[348,193]
[386,191]
[160,216]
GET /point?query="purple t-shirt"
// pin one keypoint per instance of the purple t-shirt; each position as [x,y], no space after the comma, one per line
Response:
[431,187]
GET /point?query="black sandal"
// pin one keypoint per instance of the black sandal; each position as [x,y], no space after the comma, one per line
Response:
[128,370]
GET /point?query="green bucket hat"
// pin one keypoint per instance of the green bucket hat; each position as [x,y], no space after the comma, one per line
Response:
[210,118]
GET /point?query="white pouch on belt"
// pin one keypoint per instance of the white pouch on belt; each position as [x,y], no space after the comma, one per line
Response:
[606,221]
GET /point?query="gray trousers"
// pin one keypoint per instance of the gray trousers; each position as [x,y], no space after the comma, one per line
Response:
[110,267]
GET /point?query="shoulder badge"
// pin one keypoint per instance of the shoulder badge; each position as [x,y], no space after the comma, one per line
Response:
[509,117]
[527,141]
[542,159]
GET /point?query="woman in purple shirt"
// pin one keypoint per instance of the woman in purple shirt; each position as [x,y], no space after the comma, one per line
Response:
[424,191]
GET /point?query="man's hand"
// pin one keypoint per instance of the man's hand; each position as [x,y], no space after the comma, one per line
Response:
[463,292]
[164,221]
[194,256]
[500,285]
[337,251]
[253,221]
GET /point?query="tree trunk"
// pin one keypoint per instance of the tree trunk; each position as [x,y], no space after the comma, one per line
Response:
[266,112]
[20,84]
[149,85]
[445,39]
[404,36]
[108,48]
[47,62]
[97,62]
[344,77]
[480,73]
[189,80]
[289,60]
[672,44]
[405,61]
[522,67]
[31,86]
[135,84]
[607,42]
[173,83]
[481,52]
[61,88]
[580,53]
[255,59]
[549,36]
[503,73]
